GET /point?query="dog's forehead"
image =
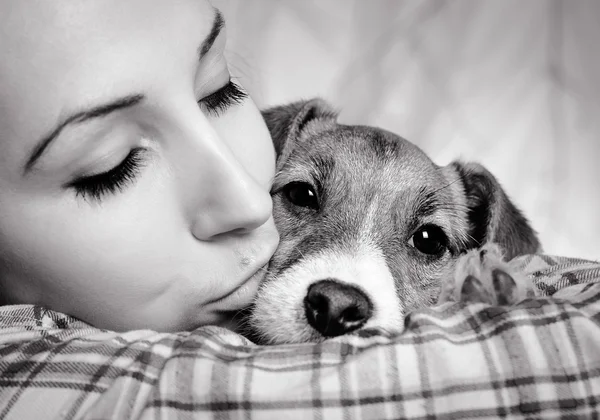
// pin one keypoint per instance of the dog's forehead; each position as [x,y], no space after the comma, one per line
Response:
[363,170]
[367,153]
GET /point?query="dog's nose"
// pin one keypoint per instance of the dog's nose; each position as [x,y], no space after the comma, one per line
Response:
[334,308]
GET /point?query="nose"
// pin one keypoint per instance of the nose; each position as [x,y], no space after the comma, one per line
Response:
[334,308]
[235,203]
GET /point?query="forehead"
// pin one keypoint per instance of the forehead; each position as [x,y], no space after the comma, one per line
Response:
[60,55]
[357,155]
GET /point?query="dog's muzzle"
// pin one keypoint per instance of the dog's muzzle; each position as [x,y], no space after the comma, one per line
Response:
[334,308]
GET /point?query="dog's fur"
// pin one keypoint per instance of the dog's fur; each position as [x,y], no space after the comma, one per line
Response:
[372,192]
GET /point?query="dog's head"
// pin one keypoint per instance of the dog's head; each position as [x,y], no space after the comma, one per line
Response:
[369,225]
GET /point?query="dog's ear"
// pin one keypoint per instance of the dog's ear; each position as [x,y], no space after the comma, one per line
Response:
[492,216]
[286,122]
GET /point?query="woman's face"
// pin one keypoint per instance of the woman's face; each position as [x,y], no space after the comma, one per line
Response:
[134,178]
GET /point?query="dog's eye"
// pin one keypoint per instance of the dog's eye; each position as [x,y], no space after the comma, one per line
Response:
[430,240]
[301,194]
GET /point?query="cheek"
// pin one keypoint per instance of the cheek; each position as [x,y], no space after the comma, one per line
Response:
[418,280]
[126,249]
[128,262]
[245,132]
[95,245]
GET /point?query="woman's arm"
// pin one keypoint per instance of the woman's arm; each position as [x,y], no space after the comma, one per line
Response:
[538,359]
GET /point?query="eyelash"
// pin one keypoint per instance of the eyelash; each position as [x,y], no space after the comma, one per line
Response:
[116,179]
[218,102]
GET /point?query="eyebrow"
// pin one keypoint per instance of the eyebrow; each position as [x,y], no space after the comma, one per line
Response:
[208,42]
[114,106]
[427,203]
[78,118]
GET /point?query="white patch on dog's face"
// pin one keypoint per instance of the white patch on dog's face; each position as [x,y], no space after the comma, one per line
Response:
[279,313]
[368,222]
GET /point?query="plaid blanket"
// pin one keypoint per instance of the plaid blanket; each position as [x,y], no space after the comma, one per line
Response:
[540,359]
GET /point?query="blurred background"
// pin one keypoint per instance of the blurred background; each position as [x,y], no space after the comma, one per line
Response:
[512,84]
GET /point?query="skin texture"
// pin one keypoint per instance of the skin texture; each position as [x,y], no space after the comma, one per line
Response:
[195,222]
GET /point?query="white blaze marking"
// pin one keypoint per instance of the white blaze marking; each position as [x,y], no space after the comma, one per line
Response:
[279,312]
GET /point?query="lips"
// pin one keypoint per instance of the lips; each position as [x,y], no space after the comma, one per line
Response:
[242,295]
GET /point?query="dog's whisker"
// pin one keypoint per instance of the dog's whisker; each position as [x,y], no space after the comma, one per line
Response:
[264,269]
[458,178]
[453,206]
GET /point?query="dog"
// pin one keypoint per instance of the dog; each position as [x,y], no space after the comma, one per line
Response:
[371,229]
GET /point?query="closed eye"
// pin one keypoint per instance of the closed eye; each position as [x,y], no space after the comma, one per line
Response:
[112,181]
[221,100]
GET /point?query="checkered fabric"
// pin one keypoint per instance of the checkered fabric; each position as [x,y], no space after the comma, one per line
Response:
[538,360]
